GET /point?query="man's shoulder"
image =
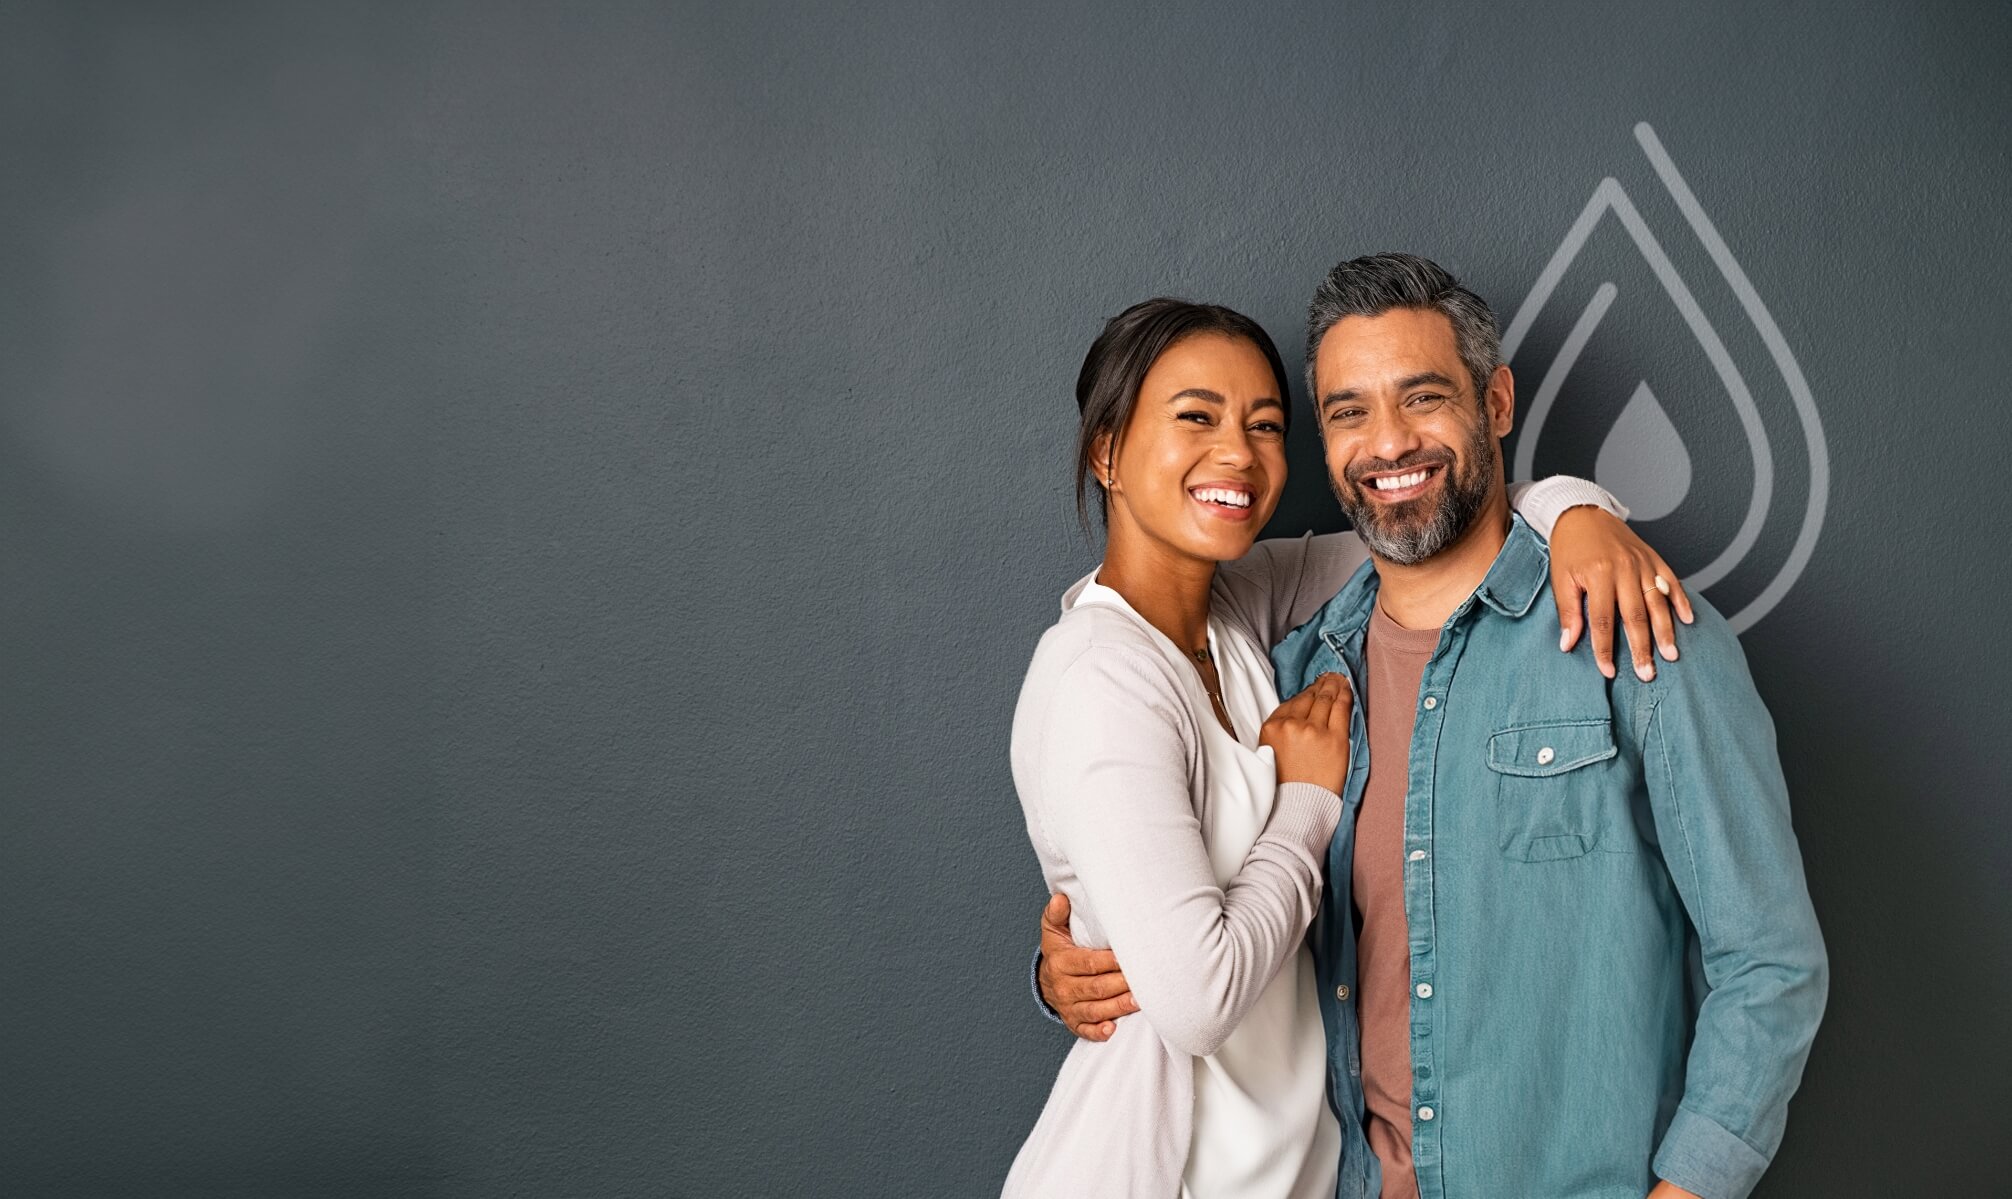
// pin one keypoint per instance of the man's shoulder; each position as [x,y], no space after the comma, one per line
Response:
[1304,651]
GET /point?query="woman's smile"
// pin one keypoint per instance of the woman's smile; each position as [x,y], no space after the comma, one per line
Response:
[1224,500]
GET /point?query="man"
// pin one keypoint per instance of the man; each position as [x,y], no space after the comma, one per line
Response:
[1566,949]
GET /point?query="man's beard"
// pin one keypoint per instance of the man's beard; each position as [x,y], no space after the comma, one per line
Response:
[1407,534]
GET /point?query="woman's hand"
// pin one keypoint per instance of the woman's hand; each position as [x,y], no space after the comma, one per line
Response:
[1309,734]
[1599,567]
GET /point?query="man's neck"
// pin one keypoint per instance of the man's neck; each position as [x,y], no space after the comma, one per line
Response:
[1424,594]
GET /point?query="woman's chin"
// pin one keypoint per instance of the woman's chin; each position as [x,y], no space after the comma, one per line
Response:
[1225,545]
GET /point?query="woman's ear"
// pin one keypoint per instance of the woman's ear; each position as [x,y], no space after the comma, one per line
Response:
[1103,457]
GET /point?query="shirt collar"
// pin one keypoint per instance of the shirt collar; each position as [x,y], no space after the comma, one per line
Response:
[1519,572]
[1511,586]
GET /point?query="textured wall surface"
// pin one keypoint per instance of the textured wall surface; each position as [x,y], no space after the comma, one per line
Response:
[520,529]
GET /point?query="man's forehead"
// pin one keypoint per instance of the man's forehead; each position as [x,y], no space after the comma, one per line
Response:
[1368,350]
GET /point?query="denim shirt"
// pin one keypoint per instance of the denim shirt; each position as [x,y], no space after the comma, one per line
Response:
[1616,973]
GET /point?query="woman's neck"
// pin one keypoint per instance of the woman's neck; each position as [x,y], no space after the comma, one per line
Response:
[1170,590]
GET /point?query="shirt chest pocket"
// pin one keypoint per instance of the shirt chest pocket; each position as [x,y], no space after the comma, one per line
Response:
[1549,783]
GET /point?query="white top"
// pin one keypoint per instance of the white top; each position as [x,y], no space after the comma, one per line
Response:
[1261,1125]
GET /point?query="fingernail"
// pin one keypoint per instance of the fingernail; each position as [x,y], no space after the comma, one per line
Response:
[1565,641]
[1669,653]
[1607,670]
[1646,671]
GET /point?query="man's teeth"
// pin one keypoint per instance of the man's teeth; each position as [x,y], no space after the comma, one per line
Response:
[1393,482]
[1223,496]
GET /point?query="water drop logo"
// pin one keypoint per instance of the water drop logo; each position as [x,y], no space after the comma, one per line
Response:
[1644,458]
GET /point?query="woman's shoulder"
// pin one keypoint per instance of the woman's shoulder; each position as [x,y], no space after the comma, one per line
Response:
[1098,655]
[1099,678]
[1091,638]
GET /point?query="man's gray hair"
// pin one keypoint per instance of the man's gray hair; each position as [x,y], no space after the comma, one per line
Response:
[1373,285]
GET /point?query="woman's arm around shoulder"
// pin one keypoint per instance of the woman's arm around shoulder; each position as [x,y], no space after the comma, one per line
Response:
[1283,581]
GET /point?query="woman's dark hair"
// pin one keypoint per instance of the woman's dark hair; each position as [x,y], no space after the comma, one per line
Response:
[1107,388]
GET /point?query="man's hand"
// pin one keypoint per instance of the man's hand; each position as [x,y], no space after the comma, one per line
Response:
[1670,1190]
[1084,986]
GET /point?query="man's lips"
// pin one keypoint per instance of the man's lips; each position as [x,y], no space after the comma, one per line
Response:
[1397,486]
[1226,499]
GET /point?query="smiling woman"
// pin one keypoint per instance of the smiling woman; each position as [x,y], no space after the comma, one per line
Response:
[1180,812]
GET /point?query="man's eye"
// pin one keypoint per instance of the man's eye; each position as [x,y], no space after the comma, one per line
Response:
[1344,415]
[1426,401]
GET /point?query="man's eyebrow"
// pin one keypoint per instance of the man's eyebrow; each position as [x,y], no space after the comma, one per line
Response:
[1405,384]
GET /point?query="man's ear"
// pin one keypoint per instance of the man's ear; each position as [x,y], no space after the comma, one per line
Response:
[1499,401]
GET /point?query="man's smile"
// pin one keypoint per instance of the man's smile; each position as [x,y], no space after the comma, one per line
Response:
[1397,486]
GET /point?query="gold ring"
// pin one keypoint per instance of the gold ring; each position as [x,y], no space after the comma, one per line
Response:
[1662,585]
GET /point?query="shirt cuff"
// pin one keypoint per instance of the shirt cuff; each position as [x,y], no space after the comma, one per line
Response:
[1034,982]
[1541,504]
[1703,1157]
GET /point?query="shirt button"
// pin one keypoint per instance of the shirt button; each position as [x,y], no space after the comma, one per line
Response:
[1341,992]
[1545,755]
[1425,990]
[1425,1113]
[1418,855]
[1431,702]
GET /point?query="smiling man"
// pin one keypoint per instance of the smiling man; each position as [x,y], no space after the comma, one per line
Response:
[1566,950]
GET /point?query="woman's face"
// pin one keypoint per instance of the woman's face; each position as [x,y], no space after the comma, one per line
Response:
[1200,464]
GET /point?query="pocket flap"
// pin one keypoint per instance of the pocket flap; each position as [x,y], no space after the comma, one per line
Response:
[1538,750]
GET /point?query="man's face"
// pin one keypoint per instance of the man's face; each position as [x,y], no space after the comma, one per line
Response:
[1412,455]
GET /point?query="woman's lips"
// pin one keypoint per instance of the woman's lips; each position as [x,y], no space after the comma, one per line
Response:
[1225,501]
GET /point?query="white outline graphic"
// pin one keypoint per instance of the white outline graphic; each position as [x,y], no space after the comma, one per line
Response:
[1610,196]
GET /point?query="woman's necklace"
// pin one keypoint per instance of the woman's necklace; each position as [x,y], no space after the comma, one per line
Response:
[1204,658]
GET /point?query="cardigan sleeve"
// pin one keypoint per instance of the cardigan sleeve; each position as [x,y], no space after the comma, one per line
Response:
[1283,581]
[1116,804]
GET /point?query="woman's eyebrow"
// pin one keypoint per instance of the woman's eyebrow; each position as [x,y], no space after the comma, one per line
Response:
[1212,397]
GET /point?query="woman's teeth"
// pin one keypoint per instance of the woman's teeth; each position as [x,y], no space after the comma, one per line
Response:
[1223,496]
[1394,482]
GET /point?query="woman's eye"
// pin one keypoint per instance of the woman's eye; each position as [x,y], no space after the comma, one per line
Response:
[1194,415]
[1268,426]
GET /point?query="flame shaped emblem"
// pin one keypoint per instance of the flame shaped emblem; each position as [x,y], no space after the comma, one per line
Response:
[1644,448]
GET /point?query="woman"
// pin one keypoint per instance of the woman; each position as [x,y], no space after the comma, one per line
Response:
[1181,810]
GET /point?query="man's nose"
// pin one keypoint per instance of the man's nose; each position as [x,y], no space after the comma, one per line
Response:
[1390,436]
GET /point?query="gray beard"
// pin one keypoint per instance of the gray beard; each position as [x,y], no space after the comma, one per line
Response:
[1407,542]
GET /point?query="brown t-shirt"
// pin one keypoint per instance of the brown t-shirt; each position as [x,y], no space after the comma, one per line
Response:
[1396,658]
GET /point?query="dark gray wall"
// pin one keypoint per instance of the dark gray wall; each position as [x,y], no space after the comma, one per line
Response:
[522,527]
